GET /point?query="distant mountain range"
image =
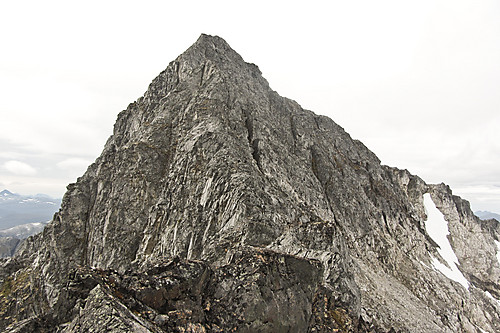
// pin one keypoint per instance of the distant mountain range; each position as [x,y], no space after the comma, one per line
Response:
[16,209]
[23,216]
[24,230]
[11,238]
[485,215]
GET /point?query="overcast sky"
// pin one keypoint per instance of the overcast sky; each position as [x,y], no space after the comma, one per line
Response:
[418,82]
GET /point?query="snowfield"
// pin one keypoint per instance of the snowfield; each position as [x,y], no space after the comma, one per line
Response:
[437,228]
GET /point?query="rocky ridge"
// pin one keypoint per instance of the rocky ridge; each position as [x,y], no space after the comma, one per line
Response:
[218,205]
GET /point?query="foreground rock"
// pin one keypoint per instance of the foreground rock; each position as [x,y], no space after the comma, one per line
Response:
[218,205]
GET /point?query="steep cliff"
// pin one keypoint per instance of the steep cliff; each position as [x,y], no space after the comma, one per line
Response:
[218,205]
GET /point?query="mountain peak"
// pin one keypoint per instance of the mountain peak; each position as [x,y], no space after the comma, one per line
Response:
[214,41]
[218,205]
[215,51]
[6,193]
[208,67]
[212,48]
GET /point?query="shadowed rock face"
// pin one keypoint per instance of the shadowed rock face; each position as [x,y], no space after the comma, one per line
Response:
[218,205]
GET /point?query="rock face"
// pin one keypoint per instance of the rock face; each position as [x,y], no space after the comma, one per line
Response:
[8,246]
[219,206]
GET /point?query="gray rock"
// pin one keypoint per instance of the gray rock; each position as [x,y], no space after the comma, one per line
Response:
[8,246]
[218,205]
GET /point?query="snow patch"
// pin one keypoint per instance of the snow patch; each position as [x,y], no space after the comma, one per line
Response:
[491,296]
[437,227]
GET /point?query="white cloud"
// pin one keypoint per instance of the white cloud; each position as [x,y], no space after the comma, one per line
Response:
[416,82]
[73,163]
[53,186]
[19,168]
[10,155]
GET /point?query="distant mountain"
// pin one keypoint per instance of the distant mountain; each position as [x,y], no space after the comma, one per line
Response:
[8,246]
[16,209]
[485,215]
[24,230]
[23,216]
[11,238]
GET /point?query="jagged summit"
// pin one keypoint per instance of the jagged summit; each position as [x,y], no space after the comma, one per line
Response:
[209,60]
[214,41]
[211,45]
[217,50]
[218,205]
